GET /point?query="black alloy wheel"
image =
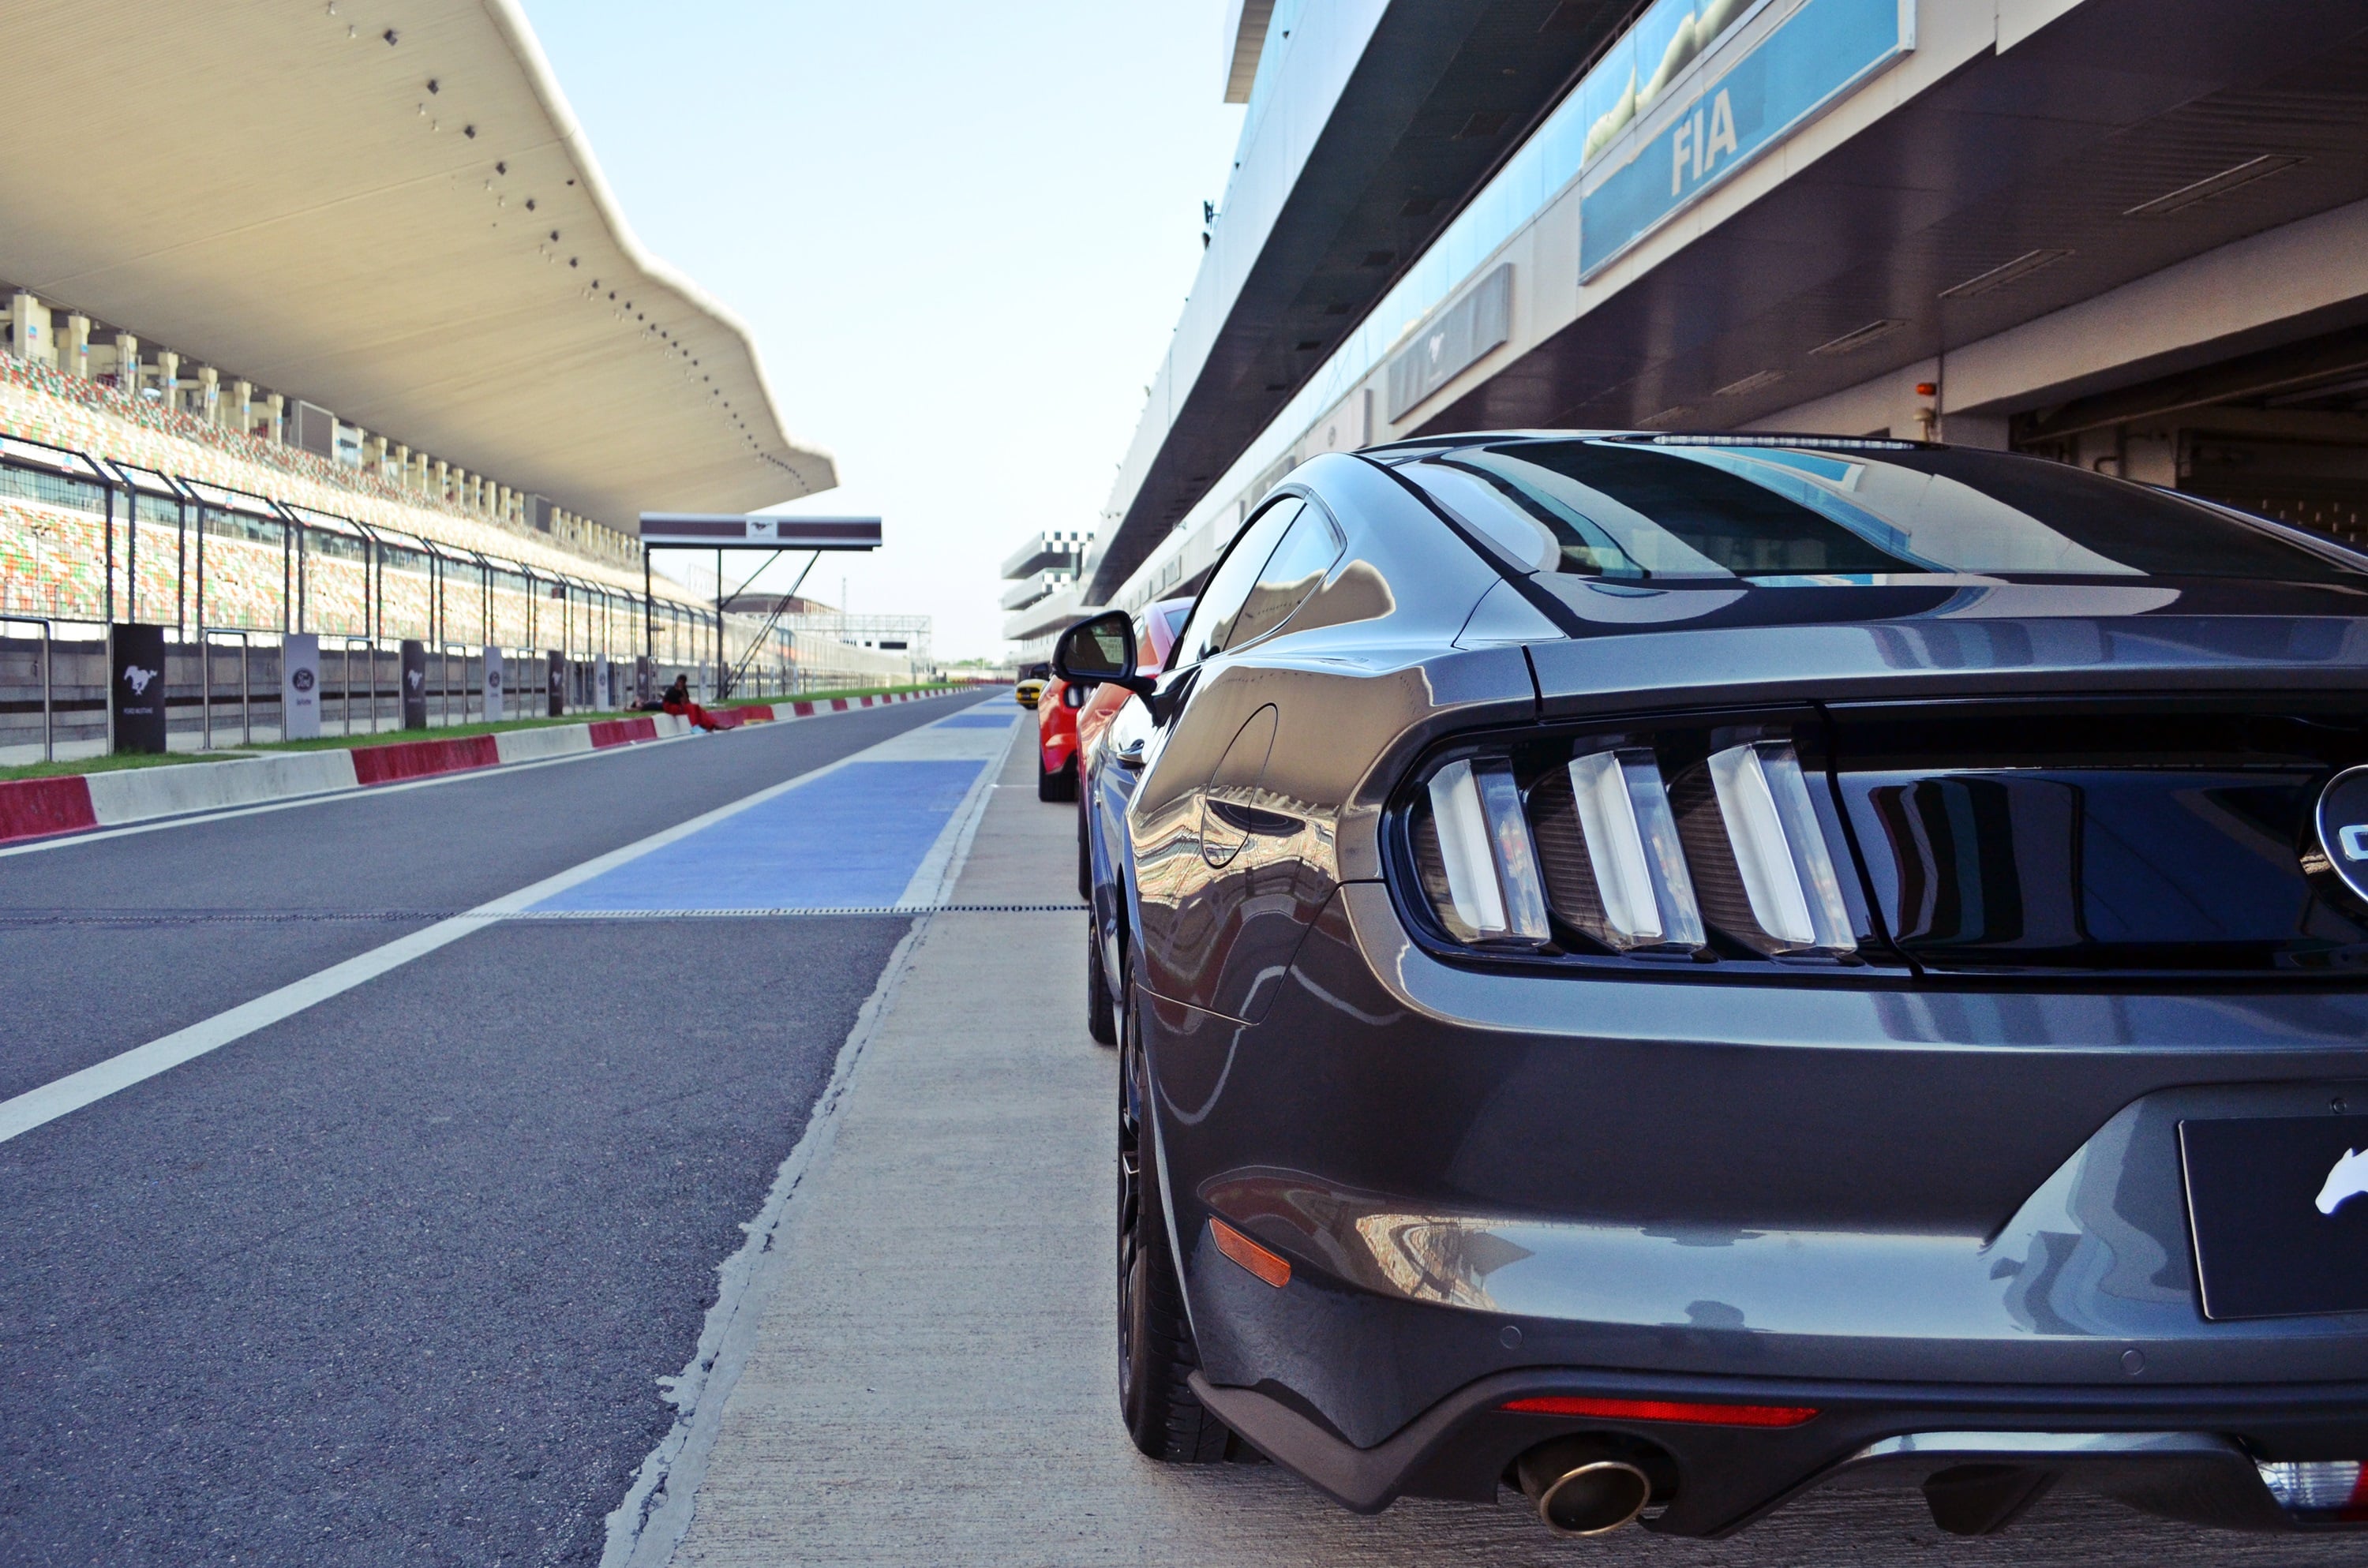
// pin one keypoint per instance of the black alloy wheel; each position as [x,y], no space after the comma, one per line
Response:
[1156,1353]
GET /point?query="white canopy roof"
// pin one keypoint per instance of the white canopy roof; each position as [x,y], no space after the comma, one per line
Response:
[355,203]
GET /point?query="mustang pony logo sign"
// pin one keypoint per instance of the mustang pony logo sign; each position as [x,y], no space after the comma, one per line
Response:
[2347,1181]
[138,679]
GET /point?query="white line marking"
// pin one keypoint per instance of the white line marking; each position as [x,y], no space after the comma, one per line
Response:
[62,1096]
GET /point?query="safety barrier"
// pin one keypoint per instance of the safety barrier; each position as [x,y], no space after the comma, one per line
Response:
[42,808]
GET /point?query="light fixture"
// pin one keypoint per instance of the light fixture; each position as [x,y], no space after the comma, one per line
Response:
[2221,183]
[1860,337]
[1751,384]
[1998,276]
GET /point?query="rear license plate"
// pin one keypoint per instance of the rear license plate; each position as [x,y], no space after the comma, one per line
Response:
[2279,1210]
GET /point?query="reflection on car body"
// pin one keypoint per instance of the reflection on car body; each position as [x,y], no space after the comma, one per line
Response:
[1664,969]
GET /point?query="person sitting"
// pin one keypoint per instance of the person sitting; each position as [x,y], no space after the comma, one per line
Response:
[678,702]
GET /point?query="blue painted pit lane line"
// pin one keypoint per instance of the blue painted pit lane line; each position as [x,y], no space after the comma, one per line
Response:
[976,721]
[851,838]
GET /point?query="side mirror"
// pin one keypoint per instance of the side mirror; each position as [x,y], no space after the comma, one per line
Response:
[1101,649]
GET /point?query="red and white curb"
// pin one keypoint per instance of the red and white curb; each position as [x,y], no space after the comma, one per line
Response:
[39,808]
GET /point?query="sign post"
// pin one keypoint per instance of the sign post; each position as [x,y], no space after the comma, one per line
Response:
[493,709]
[300,686]
[136,685]
[558,682]
[604,695]
[415,684]
[644,687]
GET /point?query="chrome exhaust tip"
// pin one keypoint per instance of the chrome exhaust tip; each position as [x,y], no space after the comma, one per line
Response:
[1583,1486]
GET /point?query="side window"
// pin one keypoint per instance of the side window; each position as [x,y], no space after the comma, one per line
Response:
[1295,571]
[1230,583]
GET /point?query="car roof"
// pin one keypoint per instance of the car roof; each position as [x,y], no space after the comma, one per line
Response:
[1424,445]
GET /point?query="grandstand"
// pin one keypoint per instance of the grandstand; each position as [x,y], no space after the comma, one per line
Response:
[239,403]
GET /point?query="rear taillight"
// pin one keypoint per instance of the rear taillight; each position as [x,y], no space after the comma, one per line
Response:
[1643,895]
[1486,859]
[1688,843]
[1780,851]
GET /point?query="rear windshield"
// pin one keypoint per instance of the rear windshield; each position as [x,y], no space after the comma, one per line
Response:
[1625,509]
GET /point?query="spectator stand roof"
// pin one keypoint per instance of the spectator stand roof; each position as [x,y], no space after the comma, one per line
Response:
[390,212]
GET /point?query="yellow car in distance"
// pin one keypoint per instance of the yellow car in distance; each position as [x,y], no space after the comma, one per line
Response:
[1028,691]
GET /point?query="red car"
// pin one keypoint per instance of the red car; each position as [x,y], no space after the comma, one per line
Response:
[1068,717]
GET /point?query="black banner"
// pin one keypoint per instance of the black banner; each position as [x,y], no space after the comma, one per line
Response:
[642,690]
[415,684]
[136,675]
[558,683]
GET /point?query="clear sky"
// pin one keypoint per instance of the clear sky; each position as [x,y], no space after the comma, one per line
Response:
[962,233]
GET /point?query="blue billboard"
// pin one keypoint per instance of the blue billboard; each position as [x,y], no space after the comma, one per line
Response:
[1738,109]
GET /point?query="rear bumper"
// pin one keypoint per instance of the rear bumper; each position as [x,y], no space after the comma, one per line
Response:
[2182,1453]
[1918,1212]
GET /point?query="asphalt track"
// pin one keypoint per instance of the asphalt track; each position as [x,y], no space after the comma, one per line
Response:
[394,1279]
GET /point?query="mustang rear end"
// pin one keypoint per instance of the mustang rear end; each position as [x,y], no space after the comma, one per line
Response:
[1662,1042]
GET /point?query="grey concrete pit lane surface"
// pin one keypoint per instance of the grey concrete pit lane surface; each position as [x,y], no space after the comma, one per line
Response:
[395,1279]
[932,1379]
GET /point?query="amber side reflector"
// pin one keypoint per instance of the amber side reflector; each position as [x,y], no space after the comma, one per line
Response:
[1272,1267]
[1664,1410]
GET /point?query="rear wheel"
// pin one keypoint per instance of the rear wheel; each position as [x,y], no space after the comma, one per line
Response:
[1059,784]
[1156,1353]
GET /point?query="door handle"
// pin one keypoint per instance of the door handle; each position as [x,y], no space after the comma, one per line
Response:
[1131,753]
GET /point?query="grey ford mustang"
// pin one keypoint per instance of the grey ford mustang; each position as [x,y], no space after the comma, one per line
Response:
[1662,970]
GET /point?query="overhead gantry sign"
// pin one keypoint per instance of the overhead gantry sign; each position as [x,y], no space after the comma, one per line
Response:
[723,532]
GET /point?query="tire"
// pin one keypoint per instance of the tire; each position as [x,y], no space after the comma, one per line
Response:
[1156,1353]
[1059,786]
[1085,857]
[1101,1011]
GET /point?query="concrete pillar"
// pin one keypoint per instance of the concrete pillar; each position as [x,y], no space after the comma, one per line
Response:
[209,394]
[276,409]
[28,330]
[168,377]
[374,455]
[127,364]
[439,485]
[239,407]
[402,475]
[73,347]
